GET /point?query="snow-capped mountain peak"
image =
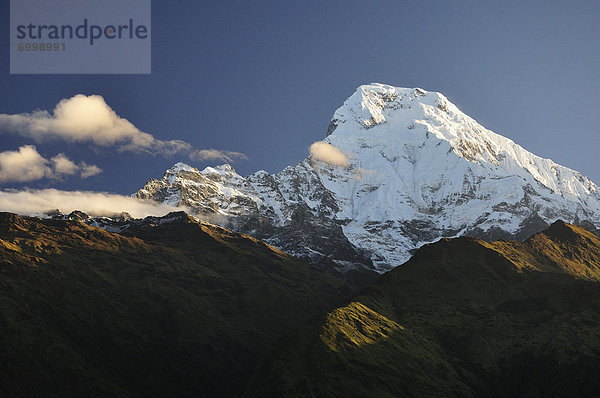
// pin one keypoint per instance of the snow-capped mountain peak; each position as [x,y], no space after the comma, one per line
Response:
[180,166]
[418,169]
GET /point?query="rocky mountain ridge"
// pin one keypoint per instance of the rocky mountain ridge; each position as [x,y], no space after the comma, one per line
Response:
[417,169]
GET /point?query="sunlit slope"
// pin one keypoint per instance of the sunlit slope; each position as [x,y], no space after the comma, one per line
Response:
[462,318]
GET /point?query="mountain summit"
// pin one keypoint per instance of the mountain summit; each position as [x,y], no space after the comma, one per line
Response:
[417,169]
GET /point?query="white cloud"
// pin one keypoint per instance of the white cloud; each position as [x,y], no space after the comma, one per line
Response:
[216,155]
[26,164]
[360,174]
[328,153]
[88,170]
[64,165]
[36,202]
[89,119]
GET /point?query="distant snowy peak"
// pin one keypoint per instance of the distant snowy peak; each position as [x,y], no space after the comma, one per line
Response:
[408,109]
[370,104]
[418,169]
[218,172]
[180,166]
[214,191]
[414,116]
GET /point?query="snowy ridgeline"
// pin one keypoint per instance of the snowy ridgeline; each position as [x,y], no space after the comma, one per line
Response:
[416,169]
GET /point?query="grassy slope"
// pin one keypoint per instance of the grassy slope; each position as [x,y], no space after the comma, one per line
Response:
[461,318]
[183,310]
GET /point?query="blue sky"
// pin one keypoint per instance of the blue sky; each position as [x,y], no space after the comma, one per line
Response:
[264,77]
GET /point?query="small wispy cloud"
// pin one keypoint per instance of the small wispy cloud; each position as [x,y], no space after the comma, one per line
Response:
[36,202]
[361,174]
[26,164]
[89,119]
[216,155]
[328,154]
[88,170]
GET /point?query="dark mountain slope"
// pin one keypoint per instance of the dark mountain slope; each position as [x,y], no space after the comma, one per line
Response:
[183,309]
[462,318]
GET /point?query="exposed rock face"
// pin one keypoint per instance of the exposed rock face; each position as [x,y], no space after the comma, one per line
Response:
[418,169]
[292,210]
